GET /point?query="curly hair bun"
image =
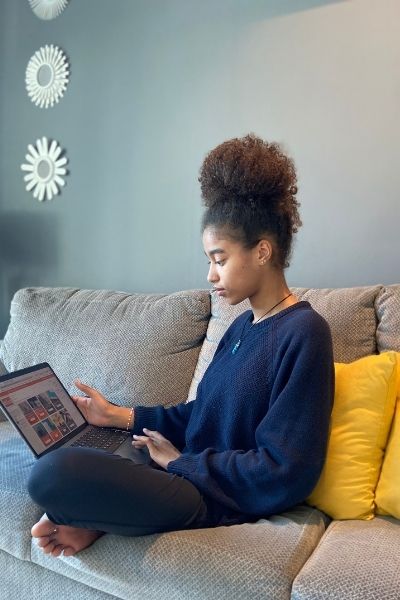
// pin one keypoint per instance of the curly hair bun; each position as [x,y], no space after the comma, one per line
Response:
[250,174]
[246,168]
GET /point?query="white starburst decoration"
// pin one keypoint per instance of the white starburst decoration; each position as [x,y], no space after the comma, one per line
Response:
[46,76]
[48,9]
[44,168]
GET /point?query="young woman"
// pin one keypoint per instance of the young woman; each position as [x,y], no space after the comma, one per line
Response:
[253,442]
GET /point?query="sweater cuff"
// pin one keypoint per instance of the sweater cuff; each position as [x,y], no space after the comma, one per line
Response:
[184,465]
[144,417]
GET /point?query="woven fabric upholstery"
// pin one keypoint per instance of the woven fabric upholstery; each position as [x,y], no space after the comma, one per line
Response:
[350,313]
[135,348]
[355,560]
[3,370]
[388,312]
[21,580]
[17,511]
[257,561]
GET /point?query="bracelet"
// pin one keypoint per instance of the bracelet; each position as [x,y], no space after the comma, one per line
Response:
[129,424]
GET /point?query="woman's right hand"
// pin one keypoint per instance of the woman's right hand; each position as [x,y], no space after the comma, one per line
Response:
[95,407]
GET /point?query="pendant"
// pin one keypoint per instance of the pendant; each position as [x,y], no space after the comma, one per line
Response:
[236,346]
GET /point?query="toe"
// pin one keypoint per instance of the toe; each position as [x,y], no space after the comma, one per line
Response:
[43,527]
[48,549]
[43,541]
[57,550]
[36,530]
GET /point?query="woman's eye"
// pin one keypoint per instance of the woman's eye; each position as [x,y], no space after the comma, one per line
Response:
[220,263]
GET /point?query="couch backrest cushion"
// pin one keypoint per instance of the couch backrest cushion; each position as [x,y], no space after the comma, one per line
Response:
[387,497]
[365,400]
[135,348]
[388,313]
[350,313]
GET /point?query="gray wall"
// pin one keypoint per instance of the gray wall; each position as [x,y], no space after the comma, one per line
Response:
[154,85]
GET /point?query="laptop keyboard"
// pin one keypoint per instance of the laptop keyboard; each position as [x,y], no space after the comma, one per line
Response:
[97,437]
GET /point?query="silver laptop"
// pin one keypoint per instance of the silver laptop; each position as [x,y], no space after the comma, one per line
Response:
[44,414]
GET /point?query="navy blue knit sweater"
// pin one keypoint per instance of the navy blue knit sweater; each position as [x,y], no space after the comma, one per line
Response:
[254,440]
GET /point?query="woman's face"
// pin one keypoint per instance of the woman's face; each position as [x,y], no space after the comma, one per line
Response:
[234,271]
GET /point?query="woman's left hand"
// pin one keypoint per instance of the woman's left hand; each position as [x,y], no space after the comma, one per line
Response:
[161,450]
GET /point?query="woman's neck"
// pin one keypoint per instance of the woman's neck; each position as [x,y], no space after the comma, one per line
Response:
[272,297]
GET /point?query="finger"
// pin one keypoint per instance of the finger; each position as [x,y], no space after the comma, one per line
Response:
[81,403]
[80,399]
[139,443]
[155,435]
[145,441]
[85,388]
[141,440]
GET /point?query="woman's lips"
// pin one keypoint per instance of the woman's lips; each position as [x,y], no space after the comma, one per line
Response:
[220,291]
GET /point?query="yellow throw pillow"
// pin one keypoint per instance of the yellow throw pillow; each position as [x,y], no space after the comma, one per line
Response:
[387,498]
[363,409]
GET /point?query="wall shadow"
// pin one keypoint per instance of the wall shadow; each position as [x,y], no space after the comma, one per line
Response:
[29,255]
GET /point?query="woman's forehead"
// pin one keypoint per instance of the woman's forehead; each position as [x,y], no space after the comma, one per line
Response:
[213,237]
[217,242]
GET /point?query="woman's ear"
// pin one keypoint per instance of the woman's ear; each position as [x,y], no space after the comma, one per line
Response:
[264,251]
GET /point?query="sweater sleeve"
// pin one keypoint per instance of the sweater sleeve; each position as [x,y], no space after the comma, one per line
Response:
[291,438]
[170,422]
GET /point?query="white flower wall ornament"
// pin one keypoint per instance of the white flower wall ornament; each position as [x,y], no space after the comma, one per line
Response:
[44,169]
[48,9]
[46,76]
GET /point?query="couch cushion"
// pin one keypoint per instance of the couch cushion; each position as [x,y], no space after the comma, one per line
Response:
[387,496]
[18,513]
[135,348]
[356,560]
[388,313]
[22,580]
[258,560]
[3,370]
[350,313]
[363,409]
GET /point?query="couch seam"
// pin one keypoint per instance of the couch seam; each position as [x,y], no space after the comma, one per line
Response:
[324,536]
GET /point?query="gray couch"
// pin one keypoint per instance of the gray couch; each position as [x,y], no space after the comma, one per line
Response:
[152,349]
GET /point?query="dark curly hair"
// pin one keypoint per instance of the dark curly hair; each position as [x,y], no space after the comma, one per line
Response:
[249,190]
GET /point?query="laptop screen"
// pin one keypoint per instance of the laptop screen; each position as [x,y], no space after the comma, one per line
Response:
[39,406]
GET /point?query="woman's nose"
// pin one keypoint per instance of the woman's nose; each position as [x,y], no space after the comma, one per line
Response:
[212,274]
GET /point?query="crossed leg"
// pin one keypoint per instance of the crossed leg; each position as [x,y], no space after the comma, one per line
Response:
[86,492]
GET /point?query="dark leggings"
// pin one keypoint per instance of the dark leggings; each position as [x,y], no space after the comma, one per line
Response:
[93,489]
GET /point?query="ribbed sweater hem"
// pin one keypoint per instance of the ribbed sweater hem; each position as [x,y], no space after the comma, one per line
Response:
[184,465]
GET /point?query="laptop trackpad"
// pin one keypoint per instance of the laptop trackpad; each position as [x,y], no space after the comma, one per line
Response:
[126,450]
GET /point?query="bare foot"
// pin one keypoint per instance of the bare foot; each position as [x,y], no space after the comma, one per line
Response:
[54,539]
